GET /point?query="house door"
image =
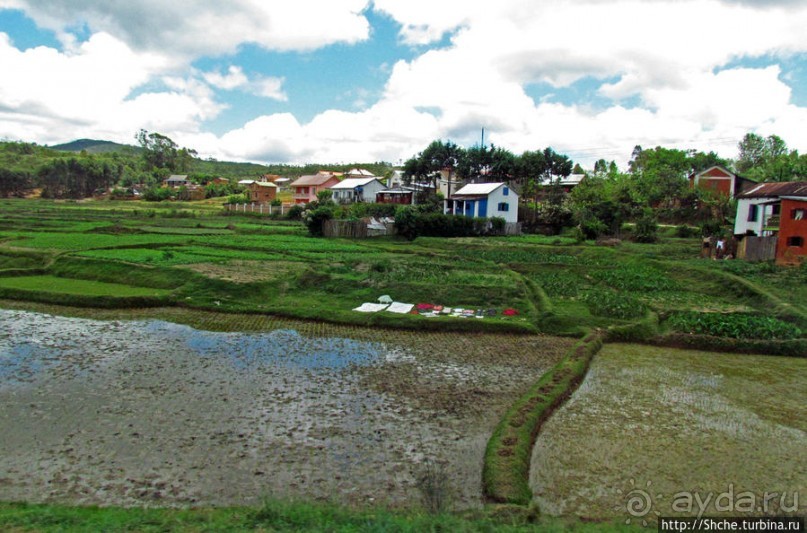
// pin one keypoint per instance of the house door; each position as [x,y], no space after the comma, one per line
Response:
[483,207]
[469,209]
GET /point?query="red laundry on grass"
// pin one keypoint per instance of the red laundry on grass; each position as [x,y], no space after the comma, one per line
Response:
[509,312]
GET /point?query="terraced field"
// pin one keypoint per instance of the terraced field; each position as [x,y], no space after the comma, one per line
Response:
[676,422]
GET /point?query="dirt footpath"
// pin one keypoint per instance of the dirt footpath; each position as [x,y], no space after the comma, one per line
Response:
[149,412]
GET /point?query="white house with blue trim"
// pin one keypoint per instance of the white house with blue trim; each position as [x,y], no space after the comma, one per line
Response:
[478,200]
[353,190]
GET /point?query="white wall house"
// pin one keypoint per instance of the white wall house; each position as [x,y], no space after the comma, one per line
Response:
[756,206]
[479,200]
[753,213]
[353,190]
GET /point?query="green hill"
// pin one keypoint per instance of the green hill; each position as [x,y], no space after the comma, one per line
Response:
[93,146]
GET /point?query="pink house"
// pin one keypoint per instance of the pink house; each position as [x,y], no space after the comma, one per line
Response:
[305,188]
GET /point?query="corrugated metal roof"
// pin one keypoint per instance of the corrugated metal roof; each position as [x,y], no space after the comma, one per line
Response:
[352,183]
[572,179]
[478,189]
[315,179]
[177,177]
[360,172]
[775,190]
[265,184]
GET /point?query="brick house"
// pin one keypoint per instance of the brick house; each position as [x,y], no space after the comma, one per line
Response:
[262,192]
[791,246]
[720,180]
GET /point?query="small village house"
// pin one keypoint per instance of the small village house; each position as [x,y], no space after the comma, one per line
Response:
[219,181]
[305,188]
[176,181]
[758,208]
[359,173]
[791,248]
[262,192]
[771,215]
[567,183]
[352,190]
[721,181]
[480,200]
[396,195]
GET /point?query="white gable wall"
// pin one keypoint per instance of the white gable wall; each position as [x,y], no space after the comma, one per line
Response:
[744,207]
[510,200]
[496,204]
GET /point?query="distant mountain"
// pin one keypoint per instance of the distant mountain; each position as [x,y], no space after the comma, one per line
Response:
[93,146]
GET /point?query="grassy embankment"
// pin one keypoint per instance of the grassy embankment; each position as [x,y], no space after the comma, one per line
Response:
[278,516]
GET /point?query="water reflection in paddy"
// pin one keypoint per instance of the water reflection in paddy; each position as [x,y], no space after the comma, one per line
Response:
[147,411]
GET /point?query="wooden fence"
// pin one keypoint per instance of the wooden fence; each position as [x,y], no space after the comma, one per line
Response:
[512,228]
[267,209]
[355,229]
[757,248]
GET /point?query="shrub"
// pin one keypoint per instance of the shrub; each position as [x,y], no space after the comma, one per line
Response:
[646,228]
[295,212]
[683,231]
[613,304]
[733,325]
[315,219]
[593,227]
[157,194]
[711,227]
[237,199]
[405,222]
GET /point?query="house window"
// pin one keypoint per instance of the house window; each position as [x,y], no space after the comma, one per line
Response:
[797,214]
[504,206]
[505,192]
[795,241]
[753,213]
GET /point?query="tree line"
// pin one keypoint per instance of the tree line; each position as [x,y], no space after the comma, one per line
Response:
[653,188]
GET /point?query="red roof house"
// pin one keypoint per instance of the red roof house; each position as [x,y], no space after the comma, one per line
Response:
[305,188]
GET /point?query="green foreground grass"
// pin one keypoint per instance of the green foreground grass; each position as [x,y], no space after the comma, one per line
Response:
[280,516]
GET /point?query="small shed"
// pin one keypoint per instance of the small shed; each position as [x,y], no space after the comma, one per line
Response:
[176,180]
[397,195]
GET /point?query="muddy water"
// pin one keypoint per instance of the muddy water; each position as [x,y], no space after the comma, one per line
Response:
[150,412]
[666,427]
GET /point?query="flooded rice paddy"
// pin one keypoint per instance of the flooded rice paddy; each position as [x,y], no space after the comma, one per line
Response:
[137,411]
[660,428]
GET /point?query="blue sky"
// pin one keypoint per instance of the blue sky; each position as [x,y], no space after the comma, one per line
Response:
[360,81]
